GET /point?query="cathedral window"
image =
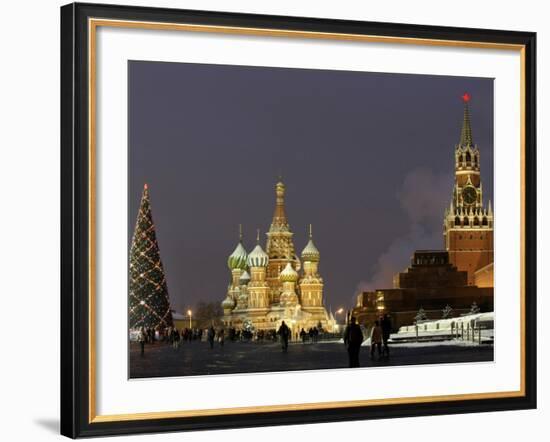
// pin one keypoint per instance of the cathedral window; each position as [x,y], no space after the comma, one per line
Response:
[484,221]
[457,221]
[466,221]
[468,157]
[476,221]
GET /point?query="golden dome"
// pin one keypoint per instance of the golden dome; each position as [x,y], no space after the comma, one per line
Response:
[288,274]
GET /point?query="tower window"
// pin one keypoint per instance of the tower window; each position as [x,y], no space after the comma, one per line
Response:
[468,157]
[466,221]
[484,221]
[457,221]
[476,221]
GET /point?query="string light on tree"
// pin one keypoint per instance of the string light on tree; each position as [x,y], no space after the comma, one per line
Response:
[149,302]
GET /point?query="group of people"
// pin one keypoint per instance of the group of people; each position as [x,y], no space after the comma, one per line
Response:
[171,335]
[353,337]
[212,334]
[379,339]
[312,335]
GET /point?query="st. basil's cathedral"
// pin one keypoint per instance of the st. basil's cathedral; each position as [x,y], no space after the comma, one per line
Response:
[271,286]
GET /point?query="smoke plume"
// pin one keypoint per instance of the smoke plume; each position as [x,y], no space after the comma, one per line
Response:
[423,197]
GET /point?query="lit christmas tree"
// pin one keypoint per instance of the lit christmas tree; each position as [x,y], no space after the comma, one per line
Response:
[149,303]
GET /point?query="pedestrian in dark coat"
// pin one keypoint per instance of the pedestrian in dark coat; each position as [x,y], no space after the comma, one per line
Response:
[353,337]
[141,339]
[303,335]
[211,334]
[284,332]
[221,336]
[386,332]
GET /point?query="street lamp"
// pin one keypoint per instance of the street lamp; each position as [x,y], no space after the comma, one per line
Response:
[339,312]
[189,313]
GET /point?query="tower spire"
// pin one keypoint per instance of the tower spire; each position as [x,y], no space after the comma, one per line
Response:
[310,232]
[240,232]
[279,216]
[466,133]
[257,236]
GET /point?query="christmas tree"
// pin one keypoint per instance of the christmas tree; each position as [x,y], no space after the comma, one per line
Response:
[149,304]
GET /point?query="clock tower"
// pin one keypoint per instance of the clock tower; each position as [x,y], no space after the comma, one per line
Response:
[468,224]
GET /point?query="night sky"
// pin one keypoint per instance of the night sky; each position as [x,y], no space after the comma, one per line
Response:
[367,158]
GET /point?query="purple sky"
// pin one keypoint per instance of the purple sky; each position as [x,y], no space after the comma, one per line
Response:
[367,158]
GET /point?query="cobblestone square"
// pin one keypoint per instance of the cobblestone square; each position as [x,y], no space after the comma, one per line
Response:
[196,358]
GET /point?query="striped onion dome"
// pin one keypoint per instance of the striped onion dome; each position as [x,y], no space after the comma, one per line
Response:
[310,252]
[245,278]
[228,303]
[237,260]
[258,258]
[288,274]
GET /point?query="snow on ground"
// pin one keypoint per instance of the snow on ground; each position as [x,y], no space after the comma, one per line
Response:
[450,342]
[454,342]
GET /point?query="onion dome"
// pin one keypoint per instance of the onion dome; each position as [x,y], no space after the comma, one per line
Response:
[288,274]
[228,303]
[310,252]
[245,278]
[237,260]
[258,258]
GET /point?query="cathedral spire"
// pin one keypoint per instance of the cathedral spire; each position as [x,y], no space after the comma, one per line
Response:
[279,216]
[466,133]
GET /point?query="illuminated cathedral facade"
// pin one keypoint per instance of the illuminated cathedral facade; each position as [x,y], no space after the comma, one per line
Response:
[271,286]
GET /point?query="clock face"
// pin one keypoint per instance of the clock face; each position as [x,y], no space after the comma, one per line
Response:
[469,195]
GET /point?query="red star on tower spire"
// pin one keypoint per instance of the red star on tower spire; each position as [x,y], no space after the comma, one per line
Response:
[466,97]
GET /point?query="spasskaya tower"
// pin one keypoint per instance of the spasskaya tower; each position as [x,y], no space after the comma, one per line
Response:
[468,224]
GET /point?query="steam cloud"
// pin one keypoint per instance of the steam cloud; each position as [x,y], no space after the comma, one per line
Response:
[423,198]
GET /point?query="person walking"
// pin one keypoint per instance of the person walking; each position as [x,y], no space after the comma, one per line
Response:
[141,339]
[284,333]
[353,337]
[303,335]
[176,338]
[221,336]
[376,339]
[210,336]
[386,332]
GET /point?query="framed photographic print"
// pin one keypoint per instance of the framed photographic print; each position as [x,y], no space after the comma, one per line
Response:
[280,220]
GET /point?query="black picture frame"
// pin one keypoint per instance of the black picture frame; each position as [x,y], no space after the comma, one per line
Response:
[75,221]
